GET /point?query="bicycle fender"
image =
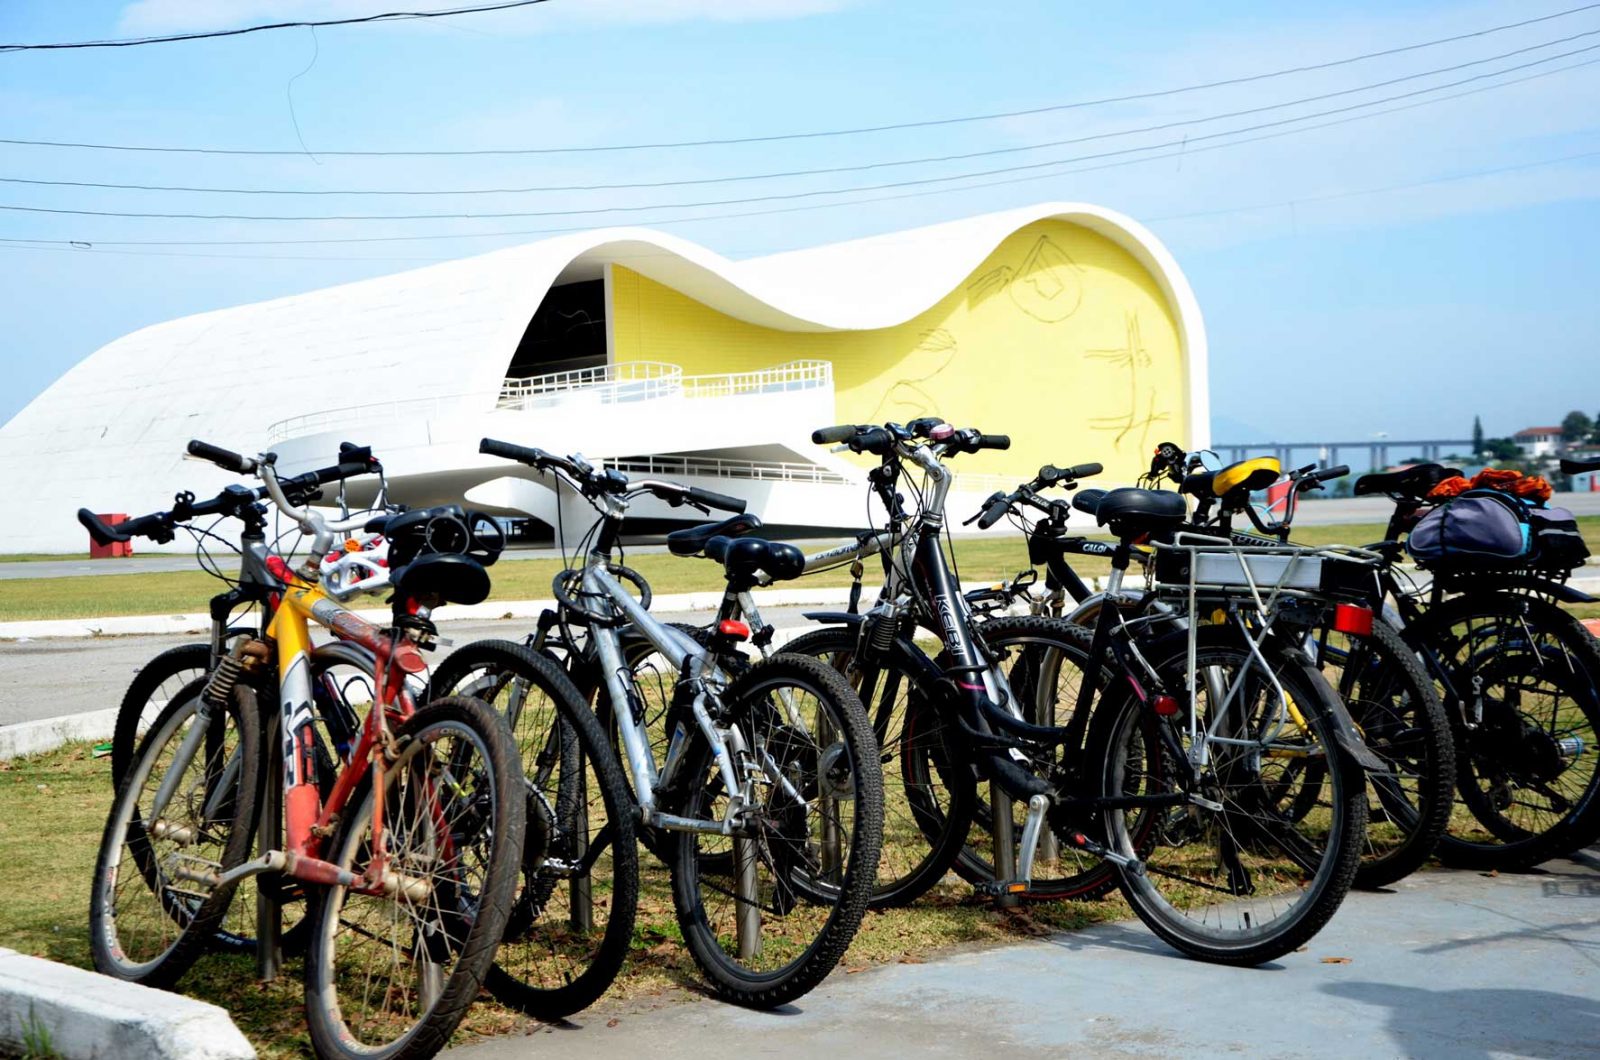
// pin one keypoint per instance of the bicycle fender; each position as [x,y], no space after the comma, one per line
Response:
[833,618]
[1350,742]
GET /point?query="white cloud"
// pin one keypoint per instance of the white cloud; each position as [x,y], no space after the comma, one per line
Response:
[149,17]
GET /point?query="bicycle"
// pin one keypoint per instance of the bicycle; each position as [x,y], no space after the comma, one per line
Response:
[411,861]
[1383,686]
[341,672]
[765,800]
[1121,767]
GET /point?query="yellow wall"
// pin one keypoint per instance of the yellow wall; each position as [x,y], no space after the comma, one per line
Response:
[1060,339]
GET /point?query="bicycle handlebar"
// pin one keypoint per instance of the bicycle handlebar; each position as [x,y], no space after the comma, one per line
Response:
[720,501]
[1578,467]
[226,459]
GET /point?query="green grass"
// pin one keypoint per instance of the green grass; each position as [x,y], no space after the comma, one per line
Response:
[40,557]
[53,807]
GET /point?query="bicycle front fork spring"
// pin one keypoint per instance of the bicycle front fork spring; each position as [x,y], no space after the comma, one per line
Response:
[246,655]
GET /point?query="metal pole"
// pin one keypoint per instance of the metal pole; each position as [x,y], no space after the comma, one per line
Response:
[582,892]
[1005,843]
[748,896]
[832,853]
[268,885]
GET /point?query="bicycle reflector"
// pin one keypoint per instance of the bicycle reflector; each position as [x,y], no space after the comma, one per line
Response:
[279,569]
[1164,705]
[729,627]
[1353,619]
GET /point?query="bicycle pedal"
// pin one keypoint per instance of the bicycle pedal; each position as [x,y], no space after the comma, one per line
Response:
[1002,888]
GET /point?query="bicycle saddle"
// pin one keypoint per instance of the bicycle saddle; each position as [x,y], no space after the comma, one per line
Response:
[691,541]
[442,578]
[1131,512]
[1247,475]
[1414,481]
[744,557]
[1087,501]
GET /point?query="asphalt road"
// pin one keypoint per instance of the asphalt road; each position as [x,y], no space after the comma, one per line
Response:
[1447,965]
[56,677]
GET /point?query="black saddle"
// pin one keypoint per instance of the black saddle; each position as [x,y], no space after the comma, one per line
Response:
[744,558]
[1414,481]
[1131,512]
[439,578]
[692,540]
[1087,501]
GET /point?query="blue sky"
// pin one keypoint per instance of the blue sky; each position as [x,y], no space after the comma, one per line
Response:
[1331,312]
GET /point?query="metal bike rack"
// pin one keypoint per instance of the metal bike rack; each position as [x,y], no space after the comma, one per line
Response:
[1003,830]
[581,898]
[269,836]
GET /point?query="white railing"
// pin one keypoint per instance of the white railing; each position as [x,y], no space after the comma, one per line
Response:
[383,412]
[795,375]
[607,384]
[717,467]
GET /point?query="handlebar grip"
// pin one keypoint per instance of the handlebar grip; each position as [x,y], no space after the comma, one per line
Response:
[351,453]
[833,435]
[1328,474]
[875,440]
[1578,467]
[522,454]
[226,459]
[720,501]
[1085,470]
[100,530]
[994,511]
[341,471]
[993,441]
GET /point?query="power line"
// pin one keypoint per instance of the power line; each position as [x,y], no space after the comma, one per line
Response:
[386,16]
[7,243]
[786,174]
[789,196]
[1183,151]
[818,134]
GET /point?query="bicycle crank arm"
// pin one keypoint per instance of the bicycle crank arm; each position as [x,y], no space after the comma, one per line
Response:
[1100,850]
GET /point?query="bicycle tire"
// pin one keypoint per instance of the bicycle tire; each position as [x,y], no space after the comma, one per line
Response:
[1496,750]
[1245,810]
[497,778]
[565,740]
[922,837]
[747,710]
[1395,706]
[176,909]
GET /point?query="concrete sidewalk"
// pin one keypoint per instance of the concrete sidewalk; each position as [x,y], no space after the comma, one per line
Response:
[1448,964]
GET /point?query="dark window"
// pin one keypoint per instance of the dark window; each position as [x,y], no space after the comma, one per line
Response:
[568,331]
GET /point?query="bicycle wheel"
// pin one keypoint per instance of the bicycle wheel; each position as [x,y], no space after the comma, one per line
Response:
[156,684]
[1044,660]
[1521,680]
[1395,707]
[927,799]
[391,975]
[573,919]
[768,911]
[154,904]
[1231,876]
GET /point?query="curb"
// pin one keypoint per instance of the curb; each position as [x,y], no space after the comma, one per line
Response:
[89,1016]
[46,734]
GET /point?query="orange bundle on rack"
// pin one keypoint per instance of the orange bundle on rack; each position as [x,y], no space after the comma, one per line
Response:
[1533,487]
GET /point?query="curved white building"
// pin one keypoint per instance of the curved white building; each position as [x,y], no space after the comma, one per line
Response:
[1066,325]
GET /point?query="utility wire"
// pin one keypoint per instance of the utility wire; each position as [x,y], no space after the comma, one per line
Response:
[825,171]
[791,196]
[386,16]
[818,134]
[1183,151]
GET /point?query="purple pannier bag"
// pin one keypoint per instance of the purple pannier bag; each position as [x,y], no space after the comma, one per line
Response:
[1484,527]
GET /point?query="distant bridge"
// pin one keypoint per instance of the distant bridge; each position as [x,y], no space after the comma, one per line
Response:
[1327,453]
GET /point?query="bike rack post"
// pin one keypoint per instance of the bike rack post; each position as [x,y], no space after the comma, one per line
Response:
[581,898]
[748,897]
[832,853]
[269,836]
[1005,843]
